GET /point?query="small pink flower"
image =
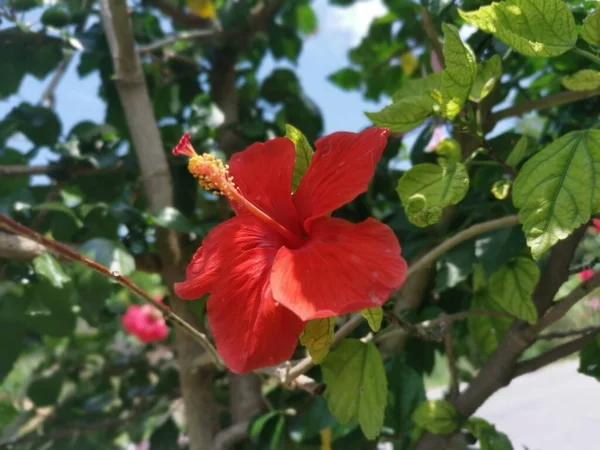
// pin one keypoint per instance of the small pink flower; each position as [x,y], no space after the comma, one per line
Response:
[586,274]
[596,227]
[439,134]
[593,303]
[145,322]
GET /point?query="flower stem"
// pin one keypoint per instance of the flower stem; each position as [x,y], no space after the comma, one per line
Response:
[66,252]
[589,55]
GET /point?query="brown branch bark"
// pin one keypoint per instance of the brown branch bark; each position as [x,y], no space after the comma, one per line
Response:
[533,364]
[196,383]
[499,368]
[432,35]
[559,99]
[228,437]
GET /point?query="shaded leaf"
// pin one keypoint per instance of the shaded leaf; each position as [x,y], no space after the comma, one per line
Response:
[48,267]
[8,413]
[346,78]
[532,27]
[356,385]
[44,391]
[512,285]
[558,189]
[171,218]
[406,391]
[419,87]
[496,248]
[455,266]
[110,254]
[589,359]
[518,153]
[487,435]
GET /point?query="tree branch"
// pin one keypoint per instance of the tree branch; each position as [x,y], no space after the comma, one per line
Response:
[562,98]
[533,364]
[231,436]
[17,170]
[429,258]
[67,253]
[569,333]
[196,383]
[499,368]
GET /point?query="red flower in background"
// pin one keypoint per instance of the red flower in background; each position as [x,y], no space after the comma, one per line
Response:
[586,274]
[145,322]
[282,260]
[596,223]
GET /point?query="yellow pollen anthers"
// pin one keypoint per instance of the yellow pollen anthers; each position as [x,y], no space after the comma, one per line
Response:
[212,174]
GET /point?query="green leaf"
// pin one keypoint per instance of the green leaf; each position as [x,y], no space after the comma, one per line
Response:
[460,71]
[406,392]
[584,80]
[12,334]
[436,416]
[304,154]
[165,436]
[419,87]
[404,114]
[346,78]
[589,359]
[356,385]
[591,28]
[40,125]
[487,435]
[8,413]
[48,267]
[427,188]
[512,285]
[450,150]
[455,266]
[55,16]
[486,331]
[284,42]
[518,153]
[317,337]
[50,310]
[501,189]
[531,27]
[496,248]
[44,391]
[374,317]
[110,254]
[312,420]
[488,74]
[306,19]
[557,190]
[171,218]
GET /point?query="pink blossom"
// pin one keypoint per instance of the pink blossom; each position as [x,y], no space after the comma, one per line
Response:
[596,227]
[593,303]
[439,134]
[586,274]
[145,322]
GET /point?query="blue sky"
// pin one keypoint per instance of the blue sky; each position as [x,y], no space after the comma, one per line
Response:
[325,52]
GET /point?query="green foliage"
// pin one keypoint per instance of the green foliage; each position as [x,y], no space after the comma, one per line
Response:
[589,358]
[317,337]
[584,80]
[356,385]
[518,153]
[110,254]
[556,190]
[488,74]
[427,188]
[304,153]
[374,317]
[404,114]
[487,435]
[436,416]
[458,77]
[591,28]
[512,285]
[533,28]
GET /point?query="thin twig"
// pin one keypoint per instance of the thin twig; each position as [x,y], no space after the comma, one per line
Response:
[432,35]
[533,364]
[429,258]
[449,345]
[569,333]
[559,99]
[66,252]
[203,35]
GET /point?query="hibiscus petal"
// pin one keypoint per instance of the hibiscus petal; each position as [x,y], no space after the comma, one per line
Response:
[340,170]
[250,329]
[343,267]
[263,173]
[220,245]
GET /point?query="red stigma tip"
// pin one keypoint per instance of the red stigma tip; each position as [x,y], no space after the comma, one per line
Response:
[184,147]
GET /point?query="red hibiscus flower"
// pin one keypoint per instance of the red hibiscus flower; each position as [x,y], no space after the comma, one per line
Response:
[145,322]
[586,274]
[282,261]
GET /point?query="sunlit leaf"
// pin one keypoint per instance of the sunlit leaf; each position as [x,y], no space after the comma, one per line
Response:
[317,337]
[584,80]
[374,317]
[591,28]
[460,71]
[404,114]
[518,153]
[304,153]
[501,189]
[487,435]
[558,189]
[48,267]
[532,27]
[488,74]
[427,188]
[436,416]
